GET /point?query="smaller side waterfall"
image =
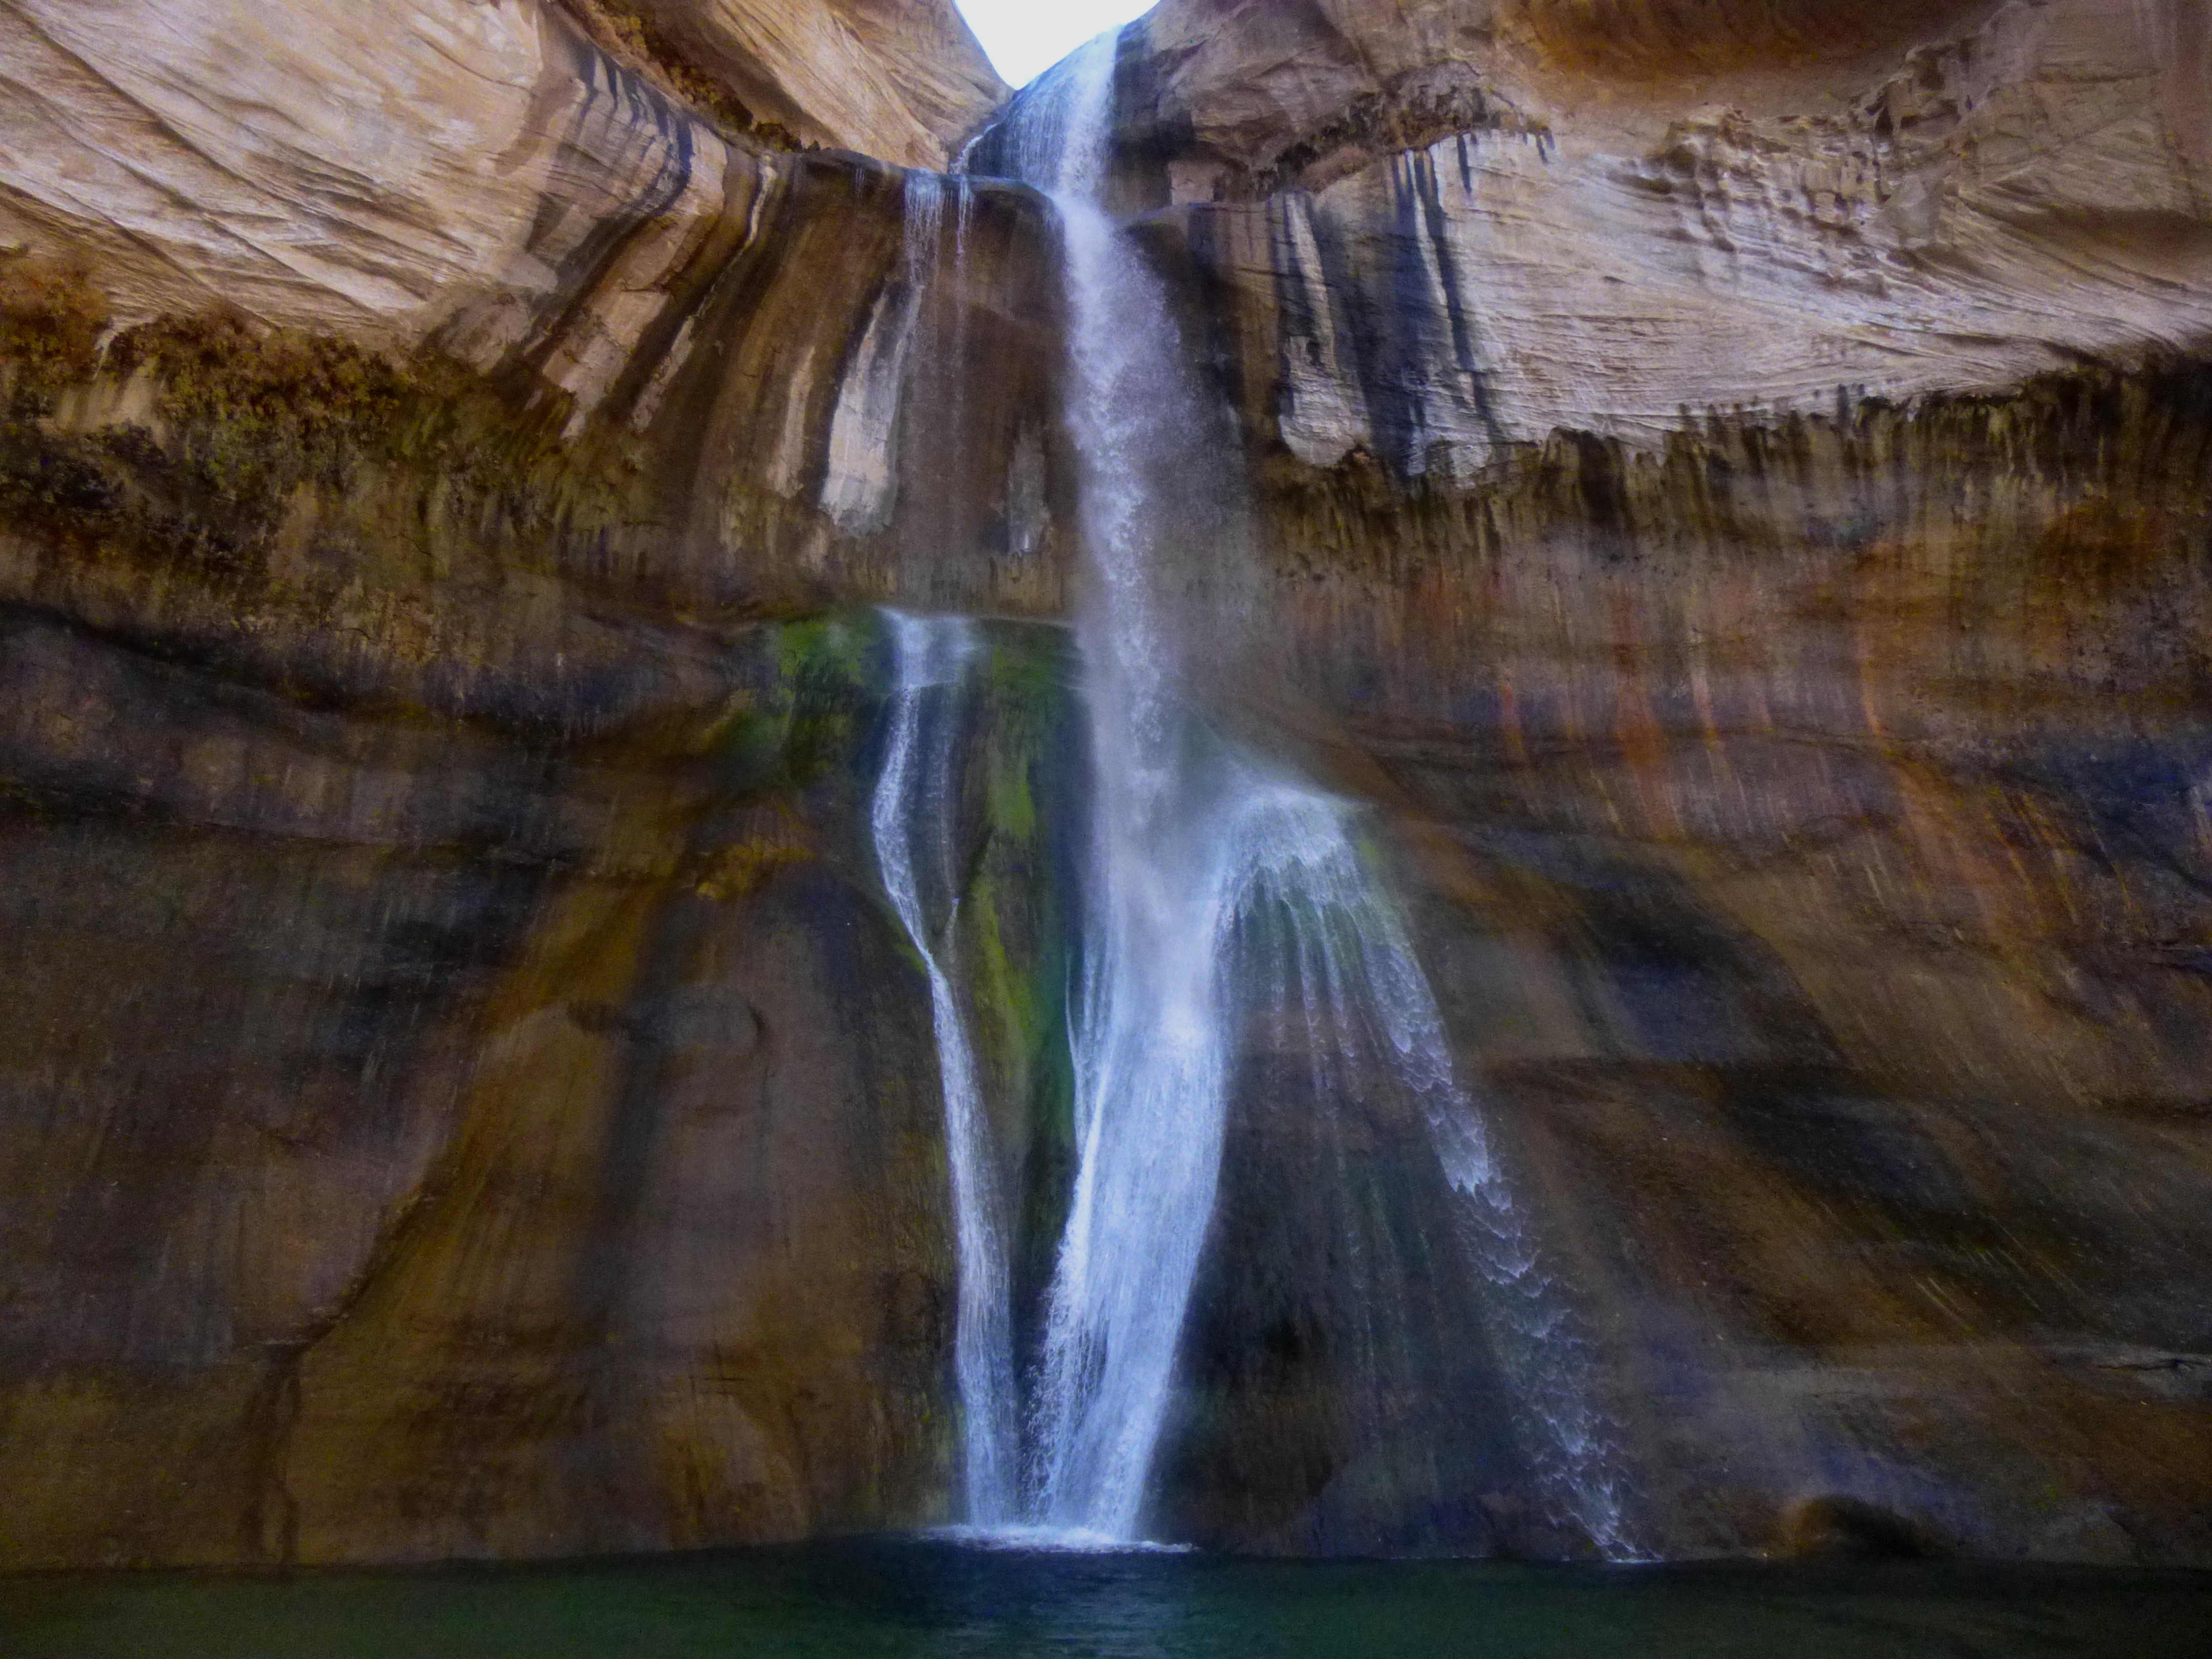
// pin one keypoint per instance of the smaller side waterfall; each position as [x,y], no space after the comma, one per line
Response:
[915,822]
[1324,946]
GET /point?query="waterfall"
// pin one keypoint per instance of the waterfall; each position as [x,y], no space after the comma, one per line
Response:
[1322,945]
[1218,885]
[916,821]
[1150,1057]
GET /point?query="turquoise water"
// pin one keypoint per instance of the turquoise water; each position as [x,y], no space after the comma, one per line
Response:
[928,1601]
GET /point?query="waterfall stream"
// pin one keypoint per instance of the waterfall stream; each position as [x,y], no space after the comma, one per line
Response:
[1151,1051]
[915,818]
[1220,887]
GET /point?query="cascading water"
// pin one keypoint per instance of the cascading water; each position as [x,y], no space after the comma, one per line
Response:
[1218,886]
[1320,945]
[915,820]
[1151,1061]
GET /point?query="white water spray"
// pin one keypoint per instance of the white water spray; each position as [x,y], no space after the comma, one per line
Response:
[1324,954]
[1150,1059]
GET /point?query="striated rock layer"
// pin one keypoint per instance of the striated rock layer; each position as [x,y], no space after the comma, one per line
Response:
[1684,509]
[1439,241]
[901,79]
[392,170]
[1818,885]
[1733,487]
[433,949]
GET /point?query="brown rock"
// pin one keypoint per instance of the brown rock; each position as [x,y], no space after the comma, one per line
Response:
[1831,1527]
[903,79]
[1474,229]
[378,170]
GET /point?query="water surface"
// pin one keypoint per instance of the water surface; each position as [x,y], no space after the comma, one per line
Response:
[934,1600]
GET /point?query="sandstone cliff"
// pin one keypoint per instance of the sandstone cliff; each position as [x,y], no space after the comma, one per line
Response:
[1601,216]
[381,170]
[1731,482]
[1684,500]
[384,405]
[903,80]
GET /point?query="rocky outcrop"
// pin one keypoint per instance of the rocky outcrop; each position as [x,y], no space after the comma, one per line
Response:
[903,80]
[1813,821]
[411,506]
[390,171]
[436,1125]
[1448,230]
[1684,508]
[738,331]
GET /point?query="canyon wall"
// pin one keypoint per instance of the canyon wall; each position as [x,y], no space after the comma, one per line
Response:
[430,446]
[1732,483]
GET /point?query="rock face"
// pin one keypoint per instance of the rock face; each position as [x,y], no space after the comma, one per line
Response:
[1683,505]
[1825,920]
[900,79]
[371,476]
[390,171]
[482,185]
[1473,228]
[1735,492]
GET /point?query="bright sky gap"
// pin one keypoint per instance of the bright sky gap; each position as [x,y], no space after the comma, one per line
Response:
[1024,38]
